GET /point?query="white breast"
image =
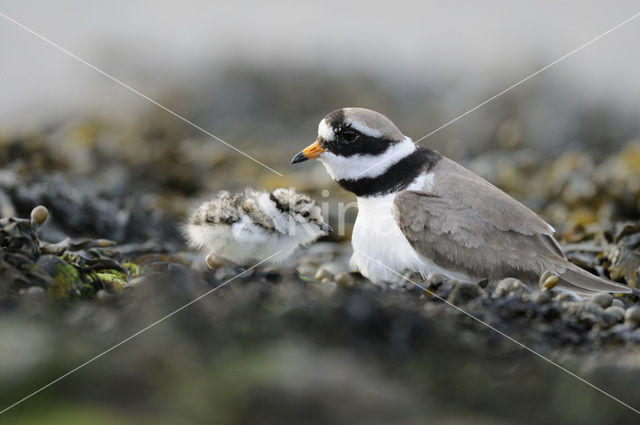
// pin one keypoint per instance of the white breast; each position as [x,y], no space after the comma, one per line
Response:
[377,235]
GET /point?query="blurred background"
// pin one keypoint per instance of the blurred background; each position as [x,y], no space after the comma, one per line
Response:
[109,164]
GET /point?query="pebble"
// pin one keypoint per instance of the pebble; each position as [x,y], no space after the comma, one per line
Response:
[603,300]
[435,279]
[618,303]
[102,295]
[50,249]
[323,273]
[39,215]
[344,279]
[564,296]
[215,261]
[549,282]
[541,297]
[617,312]
[334,267]
[508,286]
[464,292]
[325,288]
[306,270]
[35,292]
[633,315]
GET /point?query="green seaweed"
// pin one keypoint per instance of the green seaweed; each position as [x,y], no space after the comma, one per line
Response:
[64,281]
[113,278]
[132,268]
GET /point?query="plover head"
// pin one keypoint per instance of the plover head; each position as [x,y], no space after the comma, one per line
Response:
[355,143]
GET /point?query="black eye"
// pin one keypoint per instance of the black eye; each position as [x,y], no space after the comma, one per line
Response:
[348,135]
[305,214]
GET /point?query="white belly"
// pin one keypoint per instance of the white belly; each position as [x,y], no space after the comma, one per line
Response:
[376,235]
[380,250]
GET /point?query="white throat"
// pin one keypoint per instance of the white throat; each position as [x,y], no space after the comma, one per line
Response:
[362,166]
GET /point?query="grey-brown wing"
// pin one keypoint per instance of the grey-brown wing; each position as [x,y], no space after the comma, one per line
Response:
[481,241]
[463,223]
[485,201]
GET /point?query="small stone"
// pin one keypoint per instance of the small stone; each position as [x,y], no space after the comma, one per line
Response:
[325,280]
[215,261]
[633,315]
[103,243]
[435,279]
[306,270]
[464,292]
[549,282]
[50,248]
[344,279]
[325,288]
[541,297]
[102,295]
[39,215]
[322,274]
[617,312]
[564,297]
[571,307]
[603,300]
[334,267]
[508,286]
[618,303]
[35,292]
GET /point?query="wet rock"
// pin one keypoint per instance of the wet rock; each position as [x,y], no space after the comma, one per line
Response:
[323,273]
[306,270]
[633,315]
[616,312]
[344,279]
[603,300]
[464,292]
[325,288]
[541,297]
[214,261]
[510,287]
[617,303]
[435,279]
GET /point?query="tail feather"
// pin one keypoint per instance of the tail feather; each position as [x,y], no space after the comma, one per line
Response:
[580,281]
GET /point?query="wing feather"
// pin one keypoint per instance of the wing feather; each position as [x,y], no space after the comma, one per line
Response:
[462,216]
[464,224]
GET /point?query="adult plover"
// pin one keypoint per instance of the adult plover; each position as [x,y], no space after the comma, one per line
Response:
[422,212]
[252,226]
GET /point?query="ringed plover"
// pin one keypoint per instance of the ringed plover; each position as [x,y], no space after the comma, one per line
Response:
[419,211]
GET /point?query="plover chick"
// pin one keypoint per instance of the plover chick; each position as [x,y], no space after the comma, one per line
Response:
[421,212]
[251,226]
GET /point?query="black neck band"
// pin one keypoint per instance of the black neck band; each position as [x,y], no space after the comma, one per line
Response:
[397,177]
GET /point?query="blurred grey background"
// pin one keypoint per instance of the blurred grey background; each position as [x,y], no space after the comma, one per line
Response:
[426,63]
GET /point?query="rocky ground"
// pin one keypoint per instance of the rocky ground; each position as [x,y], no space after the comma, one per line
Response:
[306,342]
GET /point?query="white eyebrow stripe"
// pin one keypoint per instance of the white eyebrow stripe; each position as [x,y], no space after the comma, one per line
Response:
[365,129]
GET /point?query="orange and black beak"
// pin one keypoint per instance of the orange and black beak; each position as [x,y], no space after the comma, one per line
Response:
[314,150]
